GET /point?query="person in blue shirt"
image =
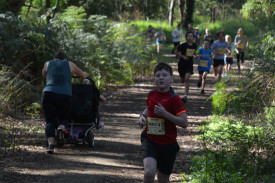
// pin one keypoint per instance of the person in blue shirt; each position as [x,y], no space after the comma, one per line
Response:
[204,64]
[197,36]
[57,96]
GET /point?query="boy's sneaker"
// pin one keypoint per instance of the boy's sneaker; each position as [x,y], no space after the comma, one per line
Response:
[199,84]
[60,137]
[50,149]
[184,99]
[202,91]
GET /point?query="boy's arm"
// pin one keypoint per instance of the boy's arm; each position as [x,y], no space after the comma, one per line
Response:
[180,55]
[180,120]
[142,118]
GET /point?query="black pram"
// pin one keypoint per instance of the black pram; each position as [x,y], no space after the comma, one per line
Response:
[84,114]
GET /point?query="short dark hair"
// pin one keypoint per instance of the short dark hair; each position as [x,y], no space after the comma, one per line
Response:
[165,66]
[206,40]
[61,55]
[219,32]
[189,32]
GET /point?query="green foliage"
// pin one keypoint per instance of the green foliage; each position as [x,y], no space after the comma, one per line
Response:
[15,92]
[234,152]
[225,97]
[258,8]
[33,110]
[126,9]
[268,45]
[261,12]
[74,16]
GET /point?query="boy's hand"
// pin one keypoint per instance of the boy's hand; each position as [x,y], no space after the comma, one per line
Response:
[142,121]
[185,57]
[159,110]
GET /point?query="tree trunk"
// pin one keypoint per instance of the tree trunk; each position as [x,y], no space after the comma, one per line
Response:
[47,7]
[223,9]
[213,15]
[181,4]
[51,13]
[171,12]
[189,12]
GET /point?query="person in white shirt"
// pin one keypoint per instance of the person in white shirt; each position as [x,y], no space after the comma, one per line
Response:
[177,35]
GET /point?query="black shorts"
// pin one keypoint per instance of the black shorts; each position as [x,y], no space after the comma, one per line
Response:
[185,67]
[201,72]
[218,62]
[165,155]
[229,60]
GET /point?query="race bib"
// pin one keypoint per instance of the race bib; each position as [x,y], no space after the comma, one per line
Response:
[190,52]
[229,54]
[221,51]
[241,46]
[155,126]
[203,63]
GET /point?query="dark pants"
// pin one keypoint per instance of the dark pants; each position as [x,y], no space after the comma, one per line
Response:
[57,108]
[240,56]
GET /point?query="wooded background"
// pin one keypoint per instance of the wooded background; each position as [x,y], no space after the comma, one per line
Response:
[110,40]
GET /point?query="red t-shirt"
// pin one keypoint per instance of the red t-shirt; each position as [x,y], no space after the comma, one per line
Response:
[174,105]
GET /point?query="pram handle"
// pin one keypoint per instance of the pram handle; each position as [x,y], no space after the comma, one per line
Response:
[90,79]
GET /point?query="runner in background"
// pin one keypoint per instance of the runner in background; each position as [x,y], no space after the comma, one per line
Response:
[209,36]
[160,39]
[204,63]
[197,37]
[218,48]
[228,56]
[177,36]
[186,52]
[241,45]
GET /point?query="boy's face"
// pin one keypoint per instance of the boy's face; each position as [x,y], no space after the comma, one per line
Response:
[228,39]
[206,45]
[221,37]
[163,80]
[240,32]
[189,37]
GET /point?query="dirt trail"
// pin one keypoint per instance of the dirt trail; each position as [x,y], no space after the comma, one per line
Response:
[116,155]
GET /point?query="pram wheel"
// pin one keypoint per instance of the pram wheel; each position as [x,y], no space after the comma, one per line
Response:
[91,139]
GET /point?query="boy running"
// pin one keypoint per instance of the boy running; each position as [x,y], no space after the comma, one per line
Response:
[204,63]
[186,52]
[164,112]
[177,35]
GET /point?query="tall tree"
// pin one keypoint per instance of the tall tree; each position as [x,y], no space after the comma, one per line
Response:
[181,4]
[171,12]
[190,4]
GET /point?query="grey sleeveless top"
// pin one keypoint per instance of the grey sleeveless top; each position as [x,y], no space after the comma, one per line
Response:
[58,78]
